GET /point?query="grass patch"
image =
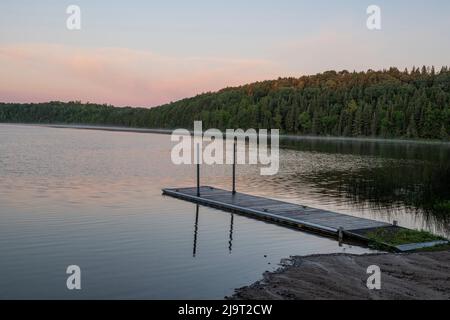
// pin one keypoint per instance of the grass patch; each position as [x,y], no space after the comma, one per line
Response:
[399,236]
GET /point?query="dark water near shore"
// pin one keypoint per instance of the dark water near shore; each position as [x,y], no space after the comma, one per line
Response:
[93,199]
[380,179]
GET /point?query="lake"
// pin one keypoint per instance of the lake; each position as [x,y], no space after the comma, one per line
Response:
[93,198]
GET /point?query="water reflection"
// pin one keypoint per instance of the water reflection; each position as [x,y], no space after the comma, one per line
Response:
[384,177]
[94,199]
[194,250]
[387,149]
[196,232]
[417,188]
[230,240]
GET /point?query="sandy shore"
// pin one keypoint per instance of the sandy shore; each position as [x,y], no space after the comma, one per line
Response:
[423,275]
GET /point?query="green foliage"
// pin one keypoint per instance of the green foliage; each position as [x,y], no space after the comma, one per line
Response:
[443,206]
[305,122]
[399,236]
[388,103]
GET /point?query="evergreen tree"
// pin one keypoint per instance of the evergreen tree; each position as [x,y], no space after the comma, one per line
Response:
[386,103]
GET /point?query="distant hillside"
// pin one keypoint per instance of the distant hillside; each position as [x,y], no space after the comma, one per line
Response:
[388,103]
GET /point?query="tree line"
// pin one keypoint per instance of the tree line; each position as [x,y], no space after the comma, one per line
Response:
[388,103]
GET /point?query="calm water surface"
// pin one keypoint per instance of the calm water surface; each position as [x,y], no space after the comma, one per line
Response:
[93,199]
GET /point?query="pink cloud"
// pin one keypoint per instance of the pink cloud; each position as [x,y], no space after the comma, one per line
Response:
[42,72]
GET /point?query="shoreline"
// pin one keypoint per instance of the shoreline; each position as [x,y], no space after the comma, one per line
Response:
[420,275]
[282,136]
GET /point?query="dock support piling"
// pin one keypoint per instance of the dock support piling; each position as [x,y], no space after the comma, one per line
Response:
[198,170]
[234,166]
[341,235]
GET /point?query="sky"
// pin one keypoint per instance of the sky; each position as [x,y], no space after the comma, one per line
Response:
[148,53]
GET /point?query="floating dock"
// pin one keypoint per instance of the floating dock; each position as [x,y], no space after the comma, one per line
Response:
[294,215]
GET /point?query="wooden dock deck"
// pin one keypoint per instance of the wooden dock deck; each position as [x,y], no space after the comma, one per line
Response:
[294,215]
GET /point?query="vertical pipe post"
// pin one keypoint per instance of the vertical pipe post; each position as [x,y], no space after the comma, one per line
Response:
[234,166]
[198,170]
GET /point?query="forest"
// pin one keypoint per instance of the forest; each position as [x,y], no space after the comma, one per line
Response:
[387,104]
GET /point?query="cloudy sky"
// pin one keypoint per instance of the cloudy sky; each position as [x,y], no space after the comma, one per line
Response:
[146,53]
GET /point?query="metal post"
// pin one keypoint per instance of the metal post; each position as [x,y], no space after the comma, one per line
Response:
[340,235]
[234,166]
[198,170]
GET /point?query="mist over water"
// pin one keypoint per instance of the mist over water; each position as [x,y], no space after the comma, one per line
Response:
[93,198]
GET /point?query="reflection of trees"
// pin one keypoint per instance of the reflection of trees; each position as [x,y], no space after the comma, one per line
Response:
[420,187]
[388,149]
